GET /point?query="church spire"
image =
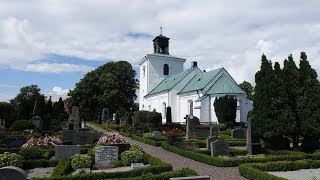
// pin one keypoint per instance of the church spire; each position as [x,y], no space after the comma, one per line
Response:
[161,44]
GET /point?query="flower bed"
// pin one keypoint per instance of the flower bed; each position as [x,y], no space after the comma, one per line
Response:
[111,138]
[39,142]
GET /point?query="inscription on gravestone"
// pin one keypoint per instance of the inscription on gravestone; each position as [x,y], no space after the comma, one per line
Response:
[106,156]
[219,148]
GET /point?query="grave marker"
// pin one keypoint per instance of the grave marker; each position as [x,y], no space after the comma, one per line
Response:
[12,173]
[66,151]
[106,156]
[219,148]
[253,140]
[239,133]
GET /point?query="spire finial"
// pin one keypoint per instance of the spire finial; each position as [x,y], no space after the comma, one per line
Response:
[160,30]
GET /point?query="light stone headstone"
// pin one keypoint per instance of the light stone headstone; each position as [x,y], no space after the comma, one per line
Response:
[157,134]
[106,156]
[210,140]
[12,173]
[219,148]
[36,120]
[214,131]
[83,124]
[66,151]
[239,133]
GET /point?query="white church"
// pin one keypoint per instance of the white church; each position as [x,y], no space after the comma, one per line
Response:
[164,83]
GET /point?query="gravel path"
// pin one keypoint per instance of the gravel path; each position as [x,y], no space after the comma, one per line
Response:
[178,162]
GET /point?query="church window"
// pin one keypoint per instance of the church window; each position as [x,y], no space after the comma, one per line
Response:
[164,110]
[190,103]
[144,71]
[165,69]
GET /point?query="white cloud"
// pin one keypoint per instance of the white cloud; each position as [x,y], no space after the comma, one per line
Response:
[53,68]
[228,34]
[56,92]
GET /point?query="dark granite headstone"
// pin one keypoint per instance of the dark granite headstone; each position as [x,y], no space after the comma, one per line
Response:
[192,121]
[105,115]
[66,151]
[12,173]
[83,137]
[253,140]
[219,148]
[68,135]
[203,131]
[36,120]
[210,140]
[15,142]
[239,133]
[169,116]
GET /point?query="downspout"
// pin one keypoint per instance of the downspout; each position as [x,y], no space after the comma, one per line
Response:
[210,108]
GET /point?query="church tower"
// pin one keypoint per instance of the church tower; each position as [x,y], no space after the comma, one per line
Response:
[154,68]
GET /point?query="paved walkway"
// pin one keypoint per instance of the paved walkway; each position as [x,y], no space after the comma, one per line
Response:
[178,162]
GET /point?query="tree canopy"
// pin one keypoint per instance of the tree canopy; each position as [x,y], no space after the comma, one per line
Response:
[248,88]
[112,85]
[226,109]
[287,100]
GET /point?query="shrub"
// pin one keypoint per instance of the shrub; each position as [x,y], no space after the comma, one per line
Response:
[133,155]
[80,161]
[34,163]
[62,168]
[33,153]
[148,135]
[21,125]
[174,135]
[10,159]
[172,125]
[147,120]
[111,138]
[38,142]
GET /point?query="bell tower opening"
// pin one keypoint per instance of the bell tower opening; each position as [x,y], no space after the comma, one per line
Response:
[161,44]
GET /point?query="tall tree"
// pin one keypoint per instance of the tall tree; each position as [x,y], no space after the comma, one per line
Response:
[25,101]
[6,110]
[58,108]
[248,88]
[308,104]
[49,108]
[111,86]
[226,109]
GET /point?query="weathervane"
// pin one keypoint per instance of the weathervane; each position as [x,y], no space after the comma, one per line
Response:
[160,30]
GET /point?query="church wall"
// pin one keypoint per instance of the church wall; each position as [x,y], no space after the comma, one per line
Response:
[143,81]
[184,107]
[157,102]
[156,69]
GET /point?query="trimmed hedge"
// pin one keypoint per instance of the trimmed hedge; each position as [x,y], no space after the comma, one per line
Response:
[184,172]
[227,162]
[146,140]
[30,164]
[62,168]
[233,152]
[257,170]
[34,153]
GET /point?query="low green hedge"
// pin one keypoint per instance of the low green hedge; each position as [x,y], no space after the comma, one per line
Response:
[157,167]
[62,168]
[184,172]
[226,162]
[146,140]
[30,164]
[257,170]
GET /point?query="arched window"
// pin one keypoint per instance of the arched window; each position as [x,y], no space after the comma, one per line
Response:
[165,69]
[164,110]
[144,71]
[190,103]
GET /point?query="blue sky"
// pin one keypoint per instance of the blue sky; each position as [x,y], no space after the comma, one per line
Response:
[54,43]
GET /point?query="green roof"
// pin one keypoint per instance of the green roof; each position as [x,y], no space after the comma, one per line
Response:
[225,85]
[200,81]
[169,82]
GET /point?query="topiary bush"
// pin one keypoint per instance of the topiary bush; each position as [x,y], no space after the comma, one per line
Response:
[34,153]
[10,159]
[21,125]
[147,120]
[80,161]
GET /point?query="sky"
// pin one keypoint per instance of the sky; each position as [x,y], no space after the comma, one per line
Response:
[54,43]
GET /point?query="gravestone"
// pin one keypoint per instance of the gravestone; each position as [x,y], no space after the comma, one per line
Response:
[202,131]
[168,115]
[74,119]
[83,137]
[12,173]
[157,134]
[106,156]
[66,151]
[36,120]
[105,115]
[214,131]
[239,133]
[15,142]
[219,148]
[68,135]
[192,121]
[83,124]
[46,125]
[253,139]
[210,140]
